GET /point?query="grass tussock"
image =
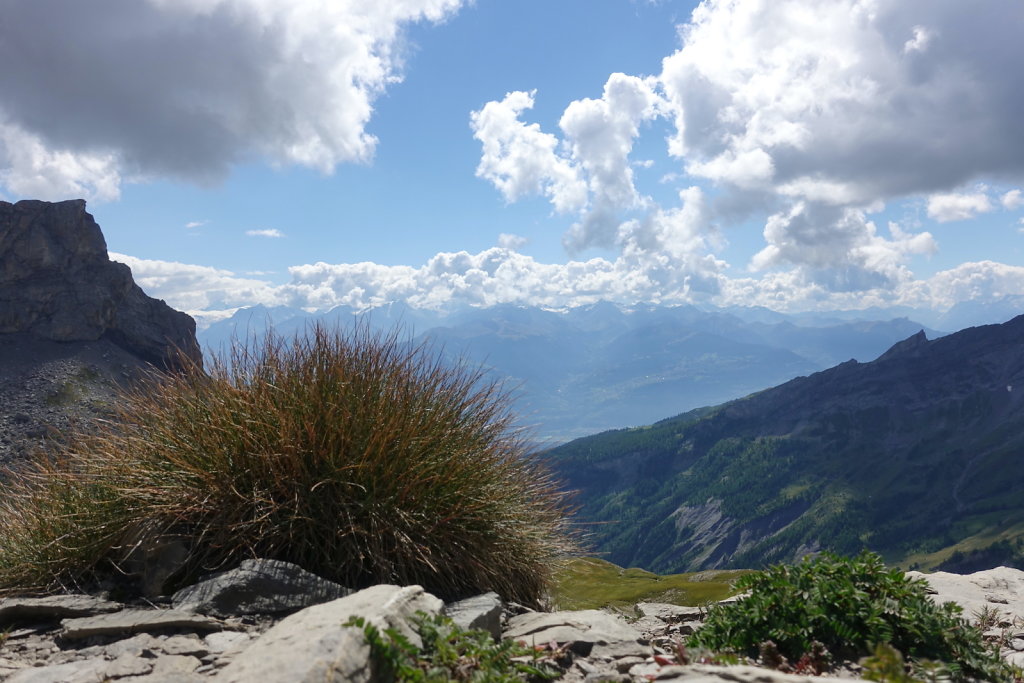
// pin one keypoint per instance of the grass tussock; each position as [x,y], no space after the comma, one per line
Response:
[351,454]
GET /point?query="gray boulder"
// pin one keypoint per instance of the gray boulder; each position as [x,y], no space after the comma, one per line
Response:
[312,645]
[481,612]
[93,671]
[57,283]
[258,587]
[670,613]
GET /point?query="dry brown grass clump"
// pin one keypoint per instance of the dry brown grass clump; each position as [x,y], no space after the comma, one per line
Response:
[349,453]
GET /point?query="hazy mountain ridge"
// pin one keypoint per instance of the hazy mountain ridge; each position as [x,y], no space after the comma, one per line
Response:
[912,453]
[598,367]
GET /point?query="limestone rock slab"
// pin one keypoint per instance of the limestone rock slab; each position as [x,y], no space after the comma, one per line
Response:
[226,641]
[708,673]
[1001,589]
[585,626]
[313,645]
[669,613]
[137,621]
[53,608]
[88,671]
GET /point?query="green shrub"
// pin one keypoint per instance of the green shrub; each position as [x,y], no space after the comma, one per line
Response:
[450,654]
[351,454]
[850,606]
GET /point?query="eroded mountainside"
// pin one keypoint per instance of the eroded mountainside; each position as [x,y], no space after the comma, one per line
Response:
[915,455]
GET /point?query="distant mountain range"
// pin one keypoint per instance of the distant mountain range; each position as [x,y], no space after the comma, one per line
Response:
[917,455]
[599,367]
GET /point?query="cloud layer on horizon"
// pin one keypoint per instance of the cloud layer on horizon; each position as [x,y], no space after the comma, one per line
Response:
[500,275]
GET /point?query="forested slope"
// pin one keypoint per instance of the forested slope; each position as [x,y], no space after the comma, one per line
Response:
[916,453]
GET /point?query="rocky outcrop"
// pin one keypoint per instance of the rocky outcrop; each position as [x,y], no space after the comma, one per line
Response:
[57,283]
[74,326]
[590,627]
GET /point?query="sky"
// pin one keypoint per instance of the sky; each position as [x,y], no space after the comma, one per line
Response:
[795,154]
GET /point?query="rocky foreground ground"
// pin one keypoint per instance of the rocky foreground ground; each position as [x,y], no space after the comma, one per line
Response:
[272,621]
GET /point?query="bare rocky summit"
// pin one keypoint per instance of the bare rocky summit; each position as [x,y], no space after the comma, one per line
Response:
[73,323]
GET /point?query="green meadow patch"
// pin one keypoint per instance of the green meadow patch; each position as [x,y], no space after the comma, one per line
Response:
[589,583]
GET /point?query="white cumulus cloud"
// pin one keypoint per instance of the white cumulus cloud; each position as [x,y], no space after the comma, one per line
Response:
[972,281]
[511,241]
[1012,200]
[588,171]
[272,233]
[839,247]
[31,168]
[520,159]
[189,88]
[958,207]
[600,134]
[681,274]
[810,113]
[871,100]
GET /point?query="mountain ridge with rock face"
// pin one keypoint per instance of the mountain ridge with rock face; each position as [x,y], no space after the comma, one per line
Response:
[914,455]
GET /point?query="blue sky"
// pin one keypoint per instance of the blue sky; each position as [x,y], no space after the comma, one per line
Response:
[798,154]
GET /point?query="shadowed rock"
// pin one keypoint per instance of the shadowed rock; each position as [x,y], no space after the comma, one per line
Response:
[53,607]
[258,587]
[57,283]
[74,326]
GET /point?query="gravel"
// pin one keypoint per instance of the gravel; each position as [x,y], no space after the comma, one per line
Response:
[46,385]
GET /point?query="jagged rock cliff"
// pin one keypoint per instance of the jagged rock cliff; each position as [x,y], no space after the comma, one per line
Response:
[57,283]
[73,324]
